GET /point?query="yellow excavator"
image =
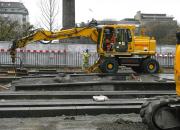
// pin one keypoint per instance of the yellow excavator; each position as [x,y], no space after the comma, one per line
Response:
[116,45]
[163,112]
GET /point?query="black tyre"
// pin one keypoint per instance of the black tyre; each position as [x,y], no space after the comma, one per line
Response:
[150,66]
[150,111]
[109,65]
[137,69]
[146,114]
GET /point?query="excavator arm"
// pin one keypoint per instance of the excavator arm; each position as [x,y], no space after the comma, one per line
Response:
[41,34]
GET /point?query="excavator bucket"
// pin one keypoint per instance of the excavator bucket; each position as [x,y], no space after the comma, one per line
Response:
[13,55]
[12,51]
[95,66]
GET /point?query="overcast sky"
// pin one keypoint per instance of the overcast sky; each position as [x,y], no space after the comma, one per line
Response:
[108,9]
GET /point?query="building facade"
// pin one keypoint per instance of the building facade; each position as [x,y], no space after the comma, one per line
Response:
[14,11]
[131,21]
[144,18]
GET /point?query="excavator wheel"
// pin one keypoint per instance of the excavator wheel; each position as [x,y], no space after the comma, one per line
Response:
[109,65]
[158,114]
[150,66]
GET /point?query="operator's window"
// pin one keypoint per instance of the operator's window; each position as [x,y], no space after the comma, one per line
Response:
[123,35]
[108,39]
[120,35]
[129,36]
[108,32]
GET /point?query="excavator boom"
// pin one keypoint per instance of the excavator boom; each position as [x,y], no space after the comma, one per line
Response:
[41,34]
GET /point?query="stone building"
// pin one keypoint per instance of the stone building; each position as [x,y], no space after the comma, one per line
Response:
[131,21]
[145,18]
[14,11]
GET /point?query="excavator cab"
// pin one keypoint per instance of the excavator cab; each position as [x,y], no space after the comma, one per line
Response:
[116,39]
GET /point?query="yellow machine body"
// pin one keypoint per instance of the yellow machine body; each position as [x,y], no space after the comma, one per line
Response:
[177,69]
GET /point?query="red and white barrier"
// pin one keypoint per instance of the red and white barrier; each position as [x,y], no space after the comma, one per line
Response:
[164,55]
[36,51]
[3,50]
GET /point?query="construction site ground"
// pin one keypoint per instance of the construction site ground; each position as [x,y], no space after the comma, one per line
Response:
[99,122]
[129,121]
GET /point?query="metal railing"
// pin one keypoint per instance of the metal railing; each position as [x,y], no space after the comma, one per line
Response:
[64,59]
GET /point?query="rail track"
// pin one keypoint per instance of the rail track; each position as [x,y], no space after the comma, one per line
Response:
[35,95]
[97,86]
[38,108]
[26,98]
[42,104]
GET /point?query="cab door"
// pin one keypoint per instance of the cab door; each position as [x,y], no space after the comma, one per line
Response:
[123,38]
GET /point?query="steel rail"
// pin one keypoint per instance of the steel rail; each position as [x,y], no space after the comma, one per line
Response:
[97,86]
[82,94]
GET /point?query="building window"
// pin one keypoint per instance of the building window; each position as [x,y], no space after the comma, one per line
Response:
[24,18]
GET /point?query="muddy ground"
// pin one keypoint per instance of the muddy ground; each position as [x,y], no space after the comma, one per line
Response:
[100,122]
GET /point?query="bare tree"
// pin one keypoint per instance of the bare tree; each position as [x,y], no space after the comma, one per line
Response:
[49,10]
